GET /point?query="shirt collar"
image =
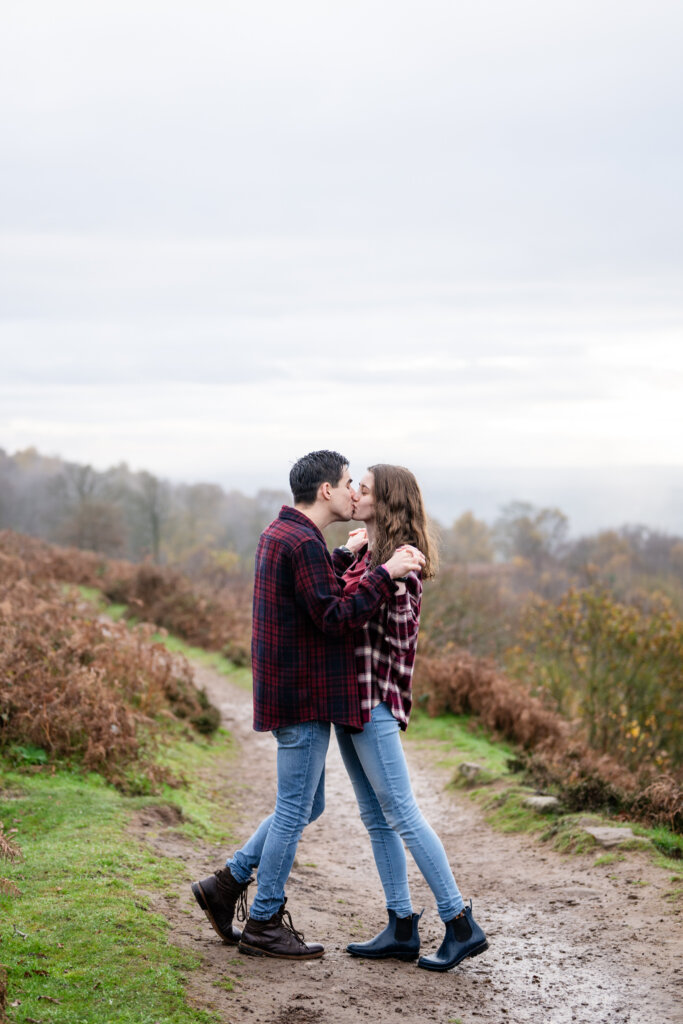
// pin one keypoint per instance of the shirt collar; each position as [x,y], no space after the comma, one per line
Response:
[288,512]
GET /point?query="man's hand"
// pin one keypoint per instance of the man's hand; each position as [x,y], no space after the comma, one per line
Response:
[404,560]
[357,539]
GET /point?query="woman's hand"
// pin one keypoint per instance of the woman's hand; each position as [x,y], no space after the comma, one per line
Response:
[404,560]
[357,540]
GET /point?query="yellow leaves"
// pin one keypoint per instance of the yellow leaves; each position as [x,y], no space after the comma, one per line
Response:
[619,665]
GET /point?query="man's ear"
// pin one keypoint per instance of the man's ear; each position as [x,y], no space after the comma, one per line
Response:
[325,491]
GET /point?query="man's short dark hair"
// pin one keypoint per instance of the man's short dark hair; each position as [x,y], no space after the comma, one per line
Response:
[314,469]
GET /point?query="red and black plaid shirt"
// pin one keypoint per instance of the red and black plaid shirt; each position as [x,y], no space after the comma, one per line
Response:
[302,635]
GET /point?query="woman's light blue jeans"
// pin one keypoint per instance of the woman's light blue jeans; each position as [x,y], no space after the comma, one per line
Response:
[301,752]
[378,771]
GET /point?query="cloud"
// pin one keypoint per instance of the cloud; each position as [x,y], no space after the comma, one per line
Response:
[445,234]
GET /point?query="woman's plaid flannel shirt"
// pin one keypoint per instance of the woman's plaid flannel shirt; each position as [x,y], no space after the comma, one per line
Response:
[386,644]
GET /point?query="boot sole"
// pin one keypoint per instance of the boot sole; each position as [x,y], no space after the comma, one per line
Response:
[384,956]
[481,948]
[198,894]
[258,951]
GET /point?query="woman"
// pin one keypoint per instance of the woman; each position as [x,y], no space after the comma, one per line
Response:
[390,504]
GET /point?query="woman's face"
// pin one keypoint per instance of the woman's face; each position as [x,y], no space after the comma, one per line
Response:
[364,504]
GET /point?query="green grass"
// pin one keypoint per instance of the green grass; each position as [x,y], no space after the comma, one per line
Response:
[666,842]
[202,764]
[460,739]
[608,858]
[79,943]
[227,984]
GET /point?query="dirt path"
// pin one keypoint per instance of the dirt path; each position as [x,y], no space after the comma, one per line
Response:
[570,943]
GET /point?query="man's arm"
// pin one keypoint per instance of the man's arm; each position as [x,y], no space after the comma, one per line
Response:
[341,560]
[318,591]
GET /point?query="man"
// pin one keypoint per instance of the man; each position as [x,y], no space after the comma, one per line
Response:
[304,678]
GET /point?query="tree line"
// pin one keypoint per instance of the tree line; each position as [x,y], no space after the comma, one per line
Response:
[136,515]
[128,514]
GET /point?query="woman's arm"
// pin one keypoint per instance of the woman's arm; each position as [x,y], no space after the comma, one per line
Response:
[403,622]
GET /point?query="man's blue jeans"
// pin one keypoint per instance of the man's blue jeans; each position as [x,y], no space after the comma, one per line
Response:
[301,752]
[378,771]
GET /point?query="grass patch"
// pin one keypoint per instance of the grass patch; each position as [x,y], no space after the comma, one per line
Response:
[668,843]
[608,858]
[460,738]
[497,789]
[79,944]
[203,765]
[507,813]
[227,984]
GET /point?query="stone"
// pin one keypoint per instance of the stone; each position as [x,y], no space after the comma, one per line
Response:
[607,836]
[469,770]
[542,804]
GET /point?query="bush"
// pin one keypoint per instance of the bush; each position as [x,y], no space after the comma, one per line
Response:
[217,618]
[458,682]
[215,621]
[80,689]
[555,754]
[617,667]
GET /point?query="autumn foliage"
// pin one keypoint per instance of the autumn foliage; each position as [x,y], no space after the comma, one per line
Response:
[217,620]
[74,688]
[554,750]
[592,693]
[617,667]
[206,615]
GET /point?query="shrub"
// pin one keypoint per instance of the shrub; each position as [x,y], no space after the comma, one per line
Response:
[458,682]
[617,667]
[217,621]
[555,753]
[215,617]
[80,689]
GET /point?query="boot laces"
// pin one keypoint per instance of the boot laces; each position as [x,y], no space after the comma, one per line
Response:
[286,921]
[241,910]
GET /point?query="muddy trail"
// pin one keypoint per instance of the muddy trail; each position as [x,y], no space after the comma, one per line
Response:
[571,942]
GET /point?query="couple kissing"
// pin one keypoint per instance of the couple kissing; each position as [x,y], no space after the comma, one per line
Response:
[333,644]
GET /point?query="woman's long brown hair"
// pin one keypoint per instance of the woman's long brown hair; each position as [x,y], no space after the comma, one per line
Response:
[400,517]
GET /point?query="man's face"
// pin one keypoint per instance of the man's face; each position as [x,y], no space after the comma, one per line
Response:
[341,499]
[364,503]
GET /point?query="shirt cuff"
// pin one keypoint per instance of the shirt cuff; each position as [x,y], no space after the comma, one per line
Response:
[343,555]
[384,581]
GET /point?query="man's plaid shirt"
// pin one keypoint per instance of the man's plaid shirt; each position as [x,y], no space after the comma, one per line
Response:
[302,635]
[386,644]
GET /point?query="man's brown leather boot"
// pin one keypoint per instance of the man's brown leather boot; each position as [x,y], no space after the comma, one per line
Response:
[277,937]
[219,896]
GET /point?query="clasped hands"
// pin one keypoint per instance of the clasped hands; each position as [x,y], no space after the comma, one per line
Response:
[405,558]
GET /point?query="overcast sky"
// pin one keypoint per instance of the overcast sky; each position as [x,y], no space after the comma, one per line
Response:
[443,234]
